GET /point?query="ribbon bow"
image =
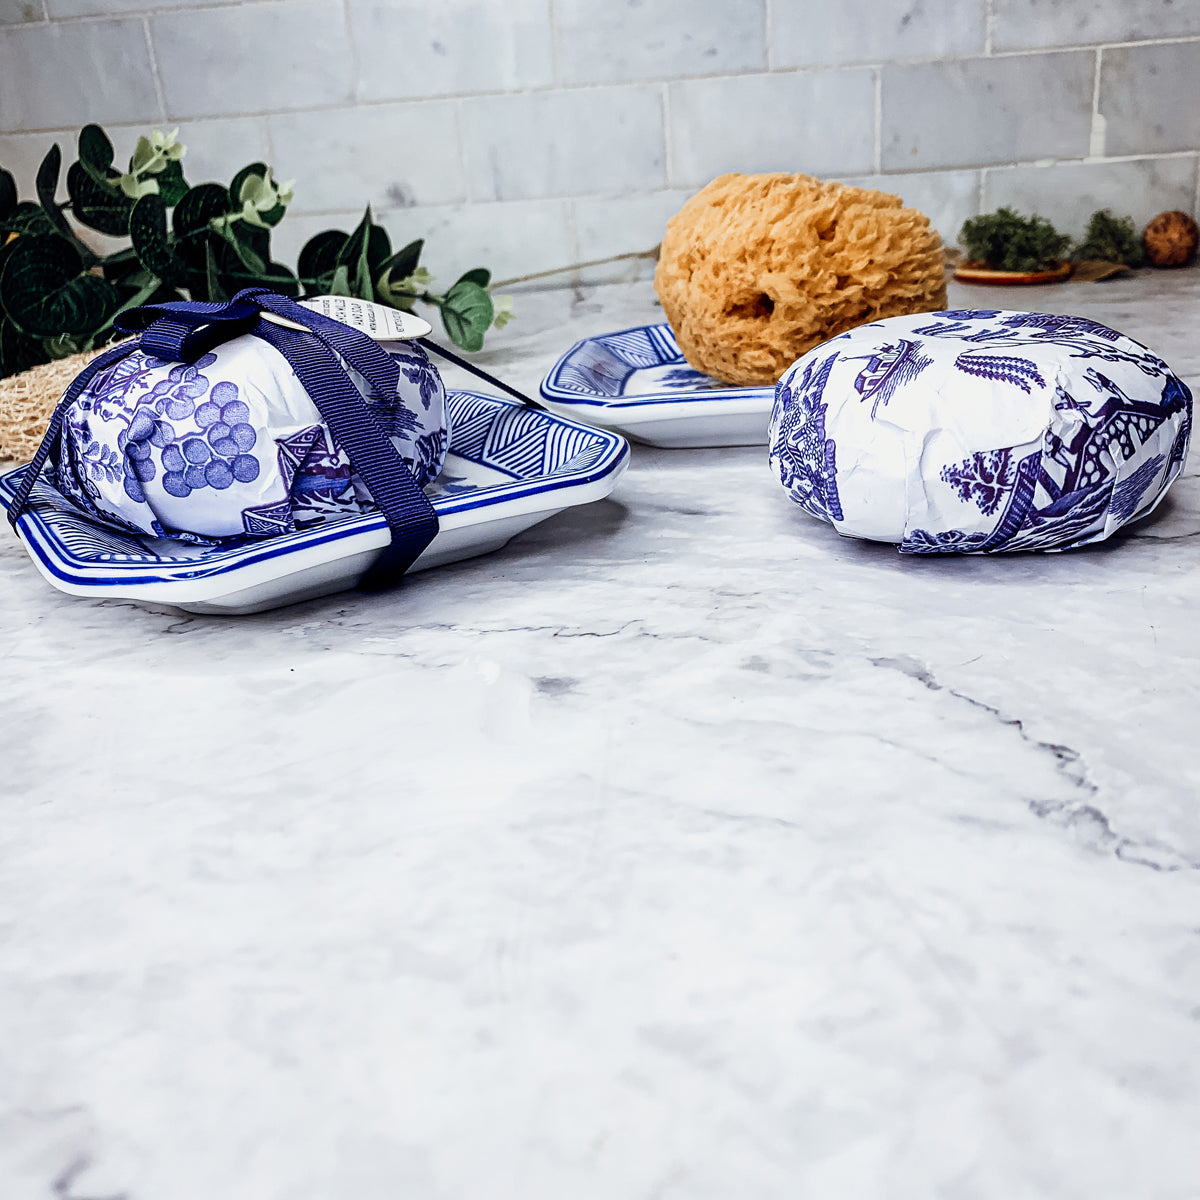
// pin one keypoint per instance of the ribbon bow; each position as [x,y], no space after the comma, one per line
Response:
[182,331]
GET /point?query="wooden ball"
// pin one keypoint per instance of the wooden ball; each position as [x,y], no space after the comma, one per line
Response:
[1170,240]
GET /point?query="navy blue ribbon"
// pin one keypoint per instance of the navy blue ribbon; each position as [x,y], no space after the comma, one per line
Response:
[182,331]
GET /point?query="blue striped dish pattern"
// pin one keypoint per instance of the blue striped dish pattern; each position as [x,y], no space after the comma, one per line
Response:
[500,451]
[605,370]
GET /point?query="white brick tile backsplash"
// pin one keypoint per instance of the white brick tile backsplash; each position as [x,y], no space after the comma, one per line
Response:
[768,123]
[1068,193]
[631,39]
[851,31]
[450,47]
[1150,97]
[986,110]
[512,238]
[391,155]
[253,57]
[1029,24]
[55,76]
[535,132]
[564,143]
[625,224]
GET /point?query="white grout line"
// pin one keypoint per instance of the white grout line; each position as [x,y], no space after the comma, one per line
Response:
[555,49]
[154,73]
[982,201]
[1196,203]
[989,25]
[352,48]
[768,27]
[1097,138]
[878,120]
[668,140]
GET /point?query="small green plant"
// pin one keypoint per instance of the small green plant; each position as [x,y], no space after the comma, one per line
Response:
[59,295]
[1112,239]
[1006,241]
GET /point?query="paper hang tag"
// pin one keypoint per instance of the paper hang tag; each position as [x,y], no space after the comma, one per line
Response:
[375,320]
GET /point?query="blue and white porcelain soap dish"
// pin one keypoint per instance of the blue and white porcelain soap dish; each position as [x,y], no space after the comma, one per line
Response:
[637,382]
[508,467]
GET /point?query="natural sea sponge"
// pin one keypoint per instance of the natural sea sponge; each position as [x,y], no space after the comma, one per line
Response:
[757,269]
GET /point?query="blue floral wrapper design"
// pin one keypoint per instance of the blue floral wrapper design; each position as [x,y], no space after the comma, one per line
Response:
[977,431]
[232,446]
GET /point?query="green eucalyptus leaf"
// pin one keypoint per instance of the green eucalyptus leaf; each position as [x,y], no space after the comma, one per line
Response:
[262,201]
[242,243]
[95,150]
[466,313]
[135,188]
[96,155]
[403,263]
[353,257]
[98,207]
[18,351]
[194,213]
[148,232]
[320,256]
[28,217]
[379,248]
[212,280]
[480,275]
[8,193]
[273,216]
[191,221]
[259,169]
[45,290]
[394,297]
[143,155]
[47,190]
[172,186]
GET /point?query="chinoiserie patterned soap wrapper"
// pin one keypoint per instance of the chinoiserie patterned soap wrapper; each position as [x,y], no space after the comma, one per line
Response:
[232,445]
[980,431]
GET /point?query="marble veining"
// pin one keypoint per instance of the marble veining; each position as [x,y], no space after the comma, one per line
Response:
[680,850]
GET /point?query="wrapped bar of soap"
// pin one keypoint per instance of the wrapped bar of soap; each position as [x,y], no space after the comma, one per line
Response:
[980,431]
[231,444]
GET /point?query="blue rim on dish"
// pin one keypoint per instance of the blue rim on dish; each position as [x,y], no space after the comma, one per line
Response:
[635,367]
[516,454]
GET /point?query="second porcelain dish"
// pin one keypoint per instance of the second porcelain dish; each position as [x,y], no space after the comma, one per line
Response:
[637,382]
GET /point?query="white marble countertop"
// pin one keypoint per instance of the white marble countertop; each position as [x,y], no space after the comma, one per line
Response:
[679,850]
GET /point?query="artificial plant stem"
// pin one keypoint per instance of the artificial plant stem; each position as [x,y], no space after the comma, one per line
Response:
[596,262]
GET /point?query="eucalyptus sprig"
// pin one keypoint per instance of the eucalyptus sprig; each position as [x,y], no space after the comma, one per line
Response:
[58,295]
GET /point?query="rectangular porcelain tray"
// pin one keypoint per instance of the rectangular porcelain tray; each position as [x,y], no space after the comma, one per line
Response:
[509,466]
